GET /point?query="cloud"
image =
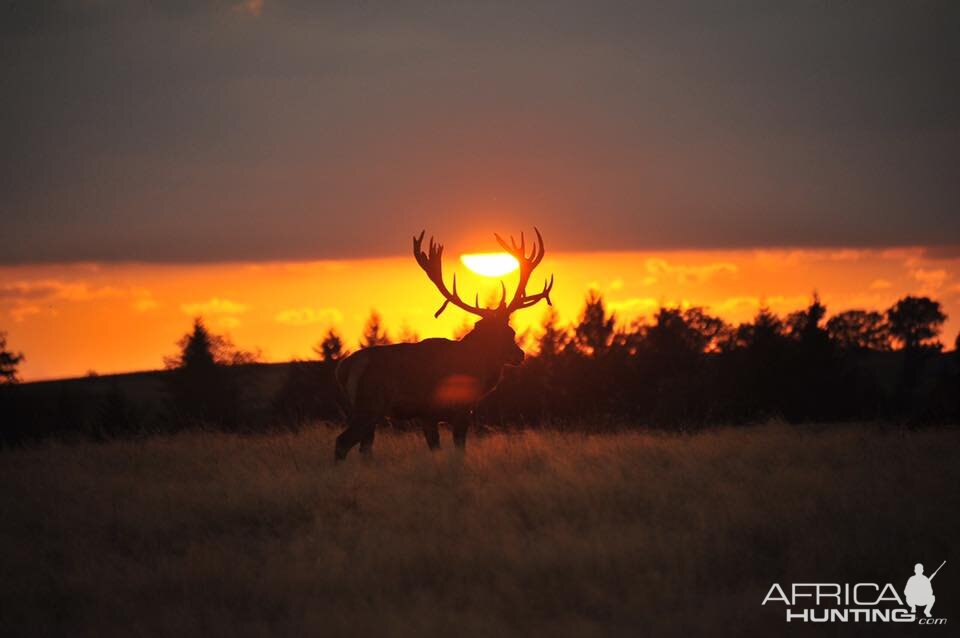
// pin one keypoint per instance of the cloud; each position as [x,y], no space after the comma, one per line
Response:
[846,254]
[214,306]
[327,57]
[748,304]
[738,303]
[228,322]
[20,313]
[880,284]
[689,274]
[29,298]
[308,316]
[52,289]
[145,304]
[24,290]
[785,303]
[948,251]
[634,305]
[932,280]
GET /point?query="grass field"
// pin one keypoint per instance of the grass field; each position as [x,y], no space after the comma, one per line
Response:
[533,534]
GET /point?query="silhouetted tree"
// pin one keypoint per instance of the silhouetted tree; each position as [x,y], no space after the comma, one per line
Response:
[940,402]
[593,335]
[668,376]
[374,334]
[462,330]
[804,325]
[671,334]
[204,379]
[309,392]
[766,331]
[859,330]
[537,388]
[196,349]
[629,338]
[15,423]
[552,339]
[8,362]
[707,331]
[753,372]
[580,375]
[200,348]
[408,335]
[811,372]
[916,322]
[331,347]
[679,333]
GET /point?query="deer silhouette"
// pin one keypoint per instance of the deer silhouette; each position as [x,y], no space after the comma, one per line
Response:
[437,380]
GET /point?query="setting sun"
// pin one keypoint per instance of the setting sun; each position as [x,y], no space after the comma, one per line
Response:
[490,264]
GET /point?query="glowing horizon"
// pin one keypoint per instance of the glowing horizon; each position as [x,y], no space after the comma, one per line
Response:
[111,318]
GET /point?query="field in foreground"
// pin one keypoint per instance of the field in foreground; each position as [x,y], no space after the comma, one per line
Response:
[539,534]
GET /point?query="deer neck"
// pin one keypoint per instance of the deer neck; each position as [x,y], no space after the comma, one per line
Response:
[480,362]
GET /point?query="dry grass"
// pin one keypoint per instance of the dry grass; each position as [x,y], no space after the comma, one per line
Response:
[539,534]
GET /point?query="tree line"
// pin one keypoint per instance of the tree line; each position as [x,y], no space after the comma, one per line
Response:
[680,368]
[685,367]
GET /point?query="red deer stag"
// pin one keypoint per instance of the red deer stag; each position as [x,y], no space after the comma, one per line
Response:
[436,379]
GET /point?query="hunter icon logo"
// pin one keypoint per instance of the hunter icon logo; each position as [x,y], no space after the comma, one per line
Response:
[846,602]
[919,591]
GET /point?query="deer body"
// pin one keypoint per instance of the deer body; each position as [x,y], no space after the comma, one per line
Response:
[434,380]
[409,380]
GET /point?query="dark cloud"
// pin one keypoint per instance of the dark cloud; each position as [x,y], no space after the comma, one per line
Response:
[174,131]
[27,291]
[946,251]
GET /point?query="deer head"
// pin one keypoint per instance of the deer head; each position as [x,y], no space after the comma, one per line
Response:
[493,330]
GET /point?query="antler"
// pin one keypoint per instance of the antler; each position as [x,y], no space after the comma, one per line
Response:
[527,264]
[431,264]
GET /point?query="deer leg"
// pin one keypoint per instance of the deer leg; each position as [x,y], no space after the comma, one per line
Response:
[460,424]
[357,429]
[431,433]
[366,441]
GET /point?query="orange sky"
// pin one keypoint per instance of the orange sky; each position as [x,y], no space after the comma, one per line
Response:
[69,319]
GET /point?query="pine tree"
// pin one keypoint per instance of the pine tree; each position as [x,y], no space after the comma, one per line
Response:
[408,334]
[593,336]
[331,347]
[205,376]
[553,338]
[8,362]
[374,334]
